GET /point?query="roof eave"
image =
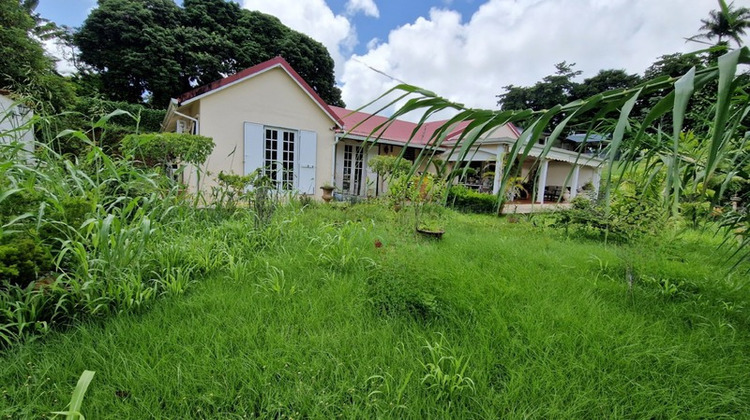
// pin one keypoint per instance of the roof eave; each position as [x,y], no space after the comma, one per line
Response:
[170,112]
[381,140]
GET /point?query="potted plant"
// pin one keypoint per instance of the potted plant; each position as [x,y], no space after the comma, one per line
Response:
[566,195]
[425,192]
[514,189]
[327,192]
[430,229]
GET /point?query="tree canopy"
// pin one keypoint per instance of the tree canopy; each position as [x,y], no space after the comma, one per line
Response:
[726,23]
[24,67]
[20,55]
[153,50]
[560,88]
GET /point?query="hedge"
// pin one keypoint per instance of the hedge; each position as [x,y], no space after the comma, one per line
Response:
[470,201]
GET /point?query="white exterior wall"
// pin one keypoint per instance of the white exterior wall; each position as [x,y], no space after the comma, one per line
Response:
[586,175]
[272,99]
[10,122]
[558,172]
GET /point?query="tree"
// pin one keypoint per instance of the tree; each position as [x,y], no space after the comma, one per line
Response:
[674,65]
[560,88]
[603,81]
[133,45]
[726,23]
[552,90]
[20,55]
[43,29]
[153,50]
[24,67]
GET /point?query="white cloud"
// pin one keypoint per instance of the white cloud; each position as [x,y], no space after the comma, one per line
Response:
[313,18]
[62,54]
[371,44]
[368,7]
[512,42]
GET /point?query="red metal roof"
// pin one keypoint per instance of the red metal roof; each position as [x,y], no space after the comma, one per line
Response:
[397,130]
[257,69]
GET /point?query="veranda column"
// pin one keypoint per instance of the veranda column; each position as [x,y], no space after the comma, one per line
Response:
[499,169]
[574,181]
[597,180]
[542,182]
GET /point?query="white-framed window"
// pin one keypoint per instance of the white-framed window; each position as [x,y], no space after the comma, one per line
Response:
[287,156]
[279,157]
[353,167]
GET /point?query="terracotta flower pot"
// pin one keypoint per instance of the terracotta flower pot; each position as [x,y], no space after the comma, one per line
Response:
[434,234]
[327,193]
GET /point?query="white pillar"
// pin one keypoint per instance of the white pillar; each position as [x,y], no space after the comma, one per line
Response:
[542,182]
[574,181]
[498,168]
[597,180]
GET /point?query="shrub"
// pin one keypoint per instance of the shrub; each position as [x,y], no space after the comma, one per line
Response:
[162,148]
[22,260]
[470,201]
[417,189]
[389,165]
[628,217]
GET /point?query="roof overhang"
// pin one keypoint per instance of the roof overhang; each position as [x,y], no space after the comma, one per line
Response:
[374,140]
[170,113]
[481,153]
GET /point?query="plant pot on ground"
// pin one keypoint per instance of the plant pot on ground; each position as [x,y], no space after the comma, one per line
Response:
[327,192]
[431,230]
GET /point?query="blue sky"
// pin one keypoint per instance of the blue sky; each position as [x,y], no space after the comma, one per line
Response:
[467,50]
[392,14]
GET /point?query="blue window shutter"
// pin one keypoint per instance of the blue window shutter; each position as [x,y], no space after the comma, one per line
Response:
[253,154]
[306,158]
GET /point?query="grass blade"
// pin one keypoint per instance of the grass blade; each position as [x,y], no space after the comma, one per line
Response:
[76,400]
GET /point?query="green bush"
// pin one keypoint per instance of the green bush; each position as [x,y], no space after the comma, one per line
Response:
[389,165]
[22,260]
[628,217]
[160,148]
[470,201]
[84,114]
[150,119]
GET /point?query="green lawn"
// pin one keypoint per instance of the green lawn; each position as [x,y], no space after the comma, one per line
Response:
[497,320]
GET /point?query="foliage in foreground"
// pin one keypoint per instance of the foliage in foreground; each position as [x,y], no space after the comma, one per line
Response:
[77,239]
[642,147]
[83,238]
[311,318]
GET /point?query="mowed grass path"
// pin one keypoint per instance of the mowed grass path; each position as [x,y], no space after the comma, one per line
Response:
[322,323]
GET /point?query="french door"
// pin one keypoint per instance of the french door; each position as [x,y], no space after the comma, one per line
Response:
[353,168]
[279,152]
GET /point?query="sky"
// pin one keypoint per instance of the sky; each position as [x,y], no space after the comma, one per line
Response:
[467,50]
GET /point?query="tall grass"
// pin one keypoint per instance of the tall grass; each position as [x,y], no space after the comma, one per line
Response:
[93,231]
[497,320]
[640,148]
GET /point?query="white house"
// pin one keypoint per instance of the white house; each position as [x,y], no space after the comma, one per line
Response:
[15,126]
[267,116]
